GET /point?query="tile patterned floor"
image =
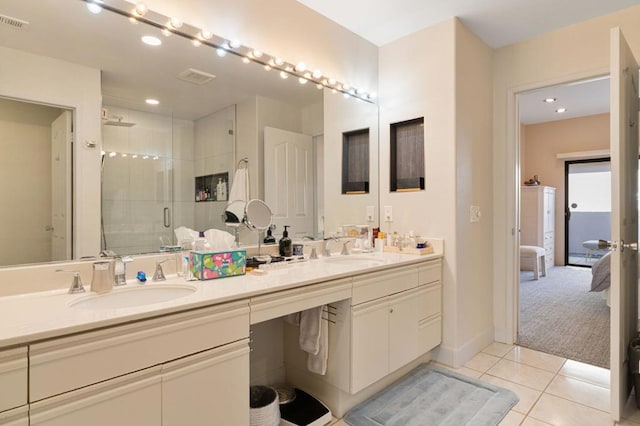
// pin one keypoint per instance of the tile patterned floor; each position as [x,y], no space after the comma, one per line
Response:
[552,390]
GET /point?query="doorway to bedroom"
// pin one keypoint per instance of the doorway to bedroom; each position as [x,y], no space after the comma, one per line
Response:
[558,313]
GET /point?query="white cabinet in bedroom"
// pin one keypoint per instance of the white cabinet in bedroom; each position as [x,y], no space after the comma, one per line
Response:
[537,217]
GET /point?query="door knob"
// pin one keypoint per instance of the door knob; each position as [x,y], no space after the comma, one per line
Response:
[630,246]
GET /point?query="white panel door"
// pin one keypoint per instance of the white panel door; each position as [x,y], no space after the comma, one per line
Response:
[61,140]
[624,215]
[288,180]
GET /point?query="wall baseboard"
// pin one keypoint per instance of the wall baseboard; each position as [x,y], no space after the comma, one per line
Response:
[456,358]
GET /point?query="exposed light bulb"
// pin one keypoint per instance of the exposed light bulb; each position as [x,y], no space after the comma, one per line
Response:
[152,101]
[267,67]
[302,80]
[317,74]
[234,44]
[134,156]
[324,81]
[279,61]
[319,86]
[257,53]
[301,67]
[205,35]
[141,9]
[284,75]
[133,20]
[113,154]
[196,42]
[155,157]
[334,91]
[94,8]
[221,52]
[246,60]
[166,32]
[332,81]
[145,157]
[175,23]
[561,110]
[123,155]
[102,153]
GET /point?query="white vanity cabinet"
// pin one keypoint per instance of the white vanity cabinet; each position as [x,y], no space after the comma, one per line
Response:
[13,378]
[388,332]
[189,368]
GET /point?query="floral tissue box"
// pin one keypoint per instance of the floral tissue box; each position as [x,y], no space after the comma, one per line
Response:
[208,265]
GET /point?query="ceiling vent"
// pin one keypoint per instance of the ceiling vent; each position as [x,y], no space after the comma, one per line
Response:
[195,76]
[15,23]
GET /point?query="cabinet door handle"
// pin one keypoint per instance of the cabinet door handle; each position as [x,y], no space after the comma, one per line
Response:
[167,217]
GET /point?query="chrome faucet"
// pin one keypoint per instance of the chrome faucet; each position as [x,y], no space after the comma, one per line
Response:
[76,284]
[325,248]
[159,274]
[120,269]
[345,250]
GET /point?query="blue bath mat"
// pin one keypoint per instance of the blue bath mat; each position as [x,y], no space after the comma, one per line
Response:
[434,396]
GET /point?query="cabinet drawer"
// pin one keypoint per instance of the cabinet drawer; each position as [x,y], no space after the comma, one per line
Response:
[264,308]
[374,286]
[429,334]
[69,363]
[430,301]
[429,273]
[210,388]
[133,399]
[13,378]
[15,417]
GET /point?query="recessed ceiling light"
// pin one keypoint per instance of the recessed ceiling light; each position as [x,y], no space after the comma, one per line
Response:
[550,100]
[152,101]
[94,7]
[561,110]
[151,40]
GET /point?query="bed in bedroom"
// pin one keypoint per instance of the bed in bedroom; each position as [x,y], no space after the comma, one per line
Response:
[601,276]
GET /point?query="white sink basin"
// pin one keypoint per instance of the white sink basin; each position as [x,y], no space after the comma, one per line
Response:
[354,260]
[133,296]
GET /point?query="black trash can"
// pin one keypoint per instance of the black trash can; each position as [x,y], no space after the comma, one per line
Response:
[634,366]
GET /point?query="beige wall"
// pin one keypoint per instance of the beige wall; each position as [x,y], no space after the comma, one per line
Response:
[25,182]
[539,148]
[571,53]
[443,73]
[27,76]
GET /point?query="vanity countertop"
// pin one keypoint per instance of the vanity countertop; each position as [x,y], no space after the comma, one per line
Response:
[32,317]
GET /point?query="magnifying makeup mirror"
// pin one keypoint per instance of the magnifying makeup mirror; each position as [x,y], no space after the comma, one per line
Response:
[258,218]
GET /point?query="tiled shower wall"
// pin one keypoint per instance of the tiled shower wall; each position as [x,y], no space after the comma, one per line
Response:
[141,164]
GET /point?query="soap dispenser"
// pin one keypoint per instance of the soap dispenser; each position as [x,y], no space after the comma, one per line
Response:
[269,238]
[286,248]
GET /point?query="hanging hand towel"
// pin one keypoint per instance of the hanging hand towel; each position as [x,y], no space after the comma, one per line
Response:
[239,186]
[318,363]
[310,322]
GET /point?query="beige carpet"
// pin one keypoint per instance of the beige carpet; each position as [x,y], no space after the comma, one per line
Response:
[558,315]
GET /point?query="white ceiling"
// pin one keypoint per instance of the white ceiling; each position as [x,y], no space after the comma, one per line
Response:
[497,22]
[580,99]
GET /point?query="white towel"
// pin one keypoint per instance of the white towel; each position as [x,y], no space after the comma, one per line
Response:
[239,189]
[318,363]
[310,330]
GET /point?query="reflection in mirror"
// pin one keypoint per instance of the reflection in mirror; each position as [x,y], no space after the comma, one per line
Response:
[88,62]
[35,210]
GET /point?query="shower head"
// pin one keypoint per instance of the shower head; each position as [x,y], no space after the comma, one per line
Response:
[117,121]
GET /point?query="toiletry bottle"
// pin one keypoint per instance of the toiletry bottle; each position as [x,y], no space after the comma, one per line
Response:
[222,190]
[269,238]
[286,248]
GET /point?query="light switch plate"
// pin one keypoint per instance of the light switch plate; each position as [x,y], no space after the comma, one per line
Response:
[370,213]
[388,214]
[474,214]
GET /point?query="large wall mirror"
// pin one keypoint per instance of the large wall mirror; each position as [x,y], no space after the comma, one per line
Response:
[136,171]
